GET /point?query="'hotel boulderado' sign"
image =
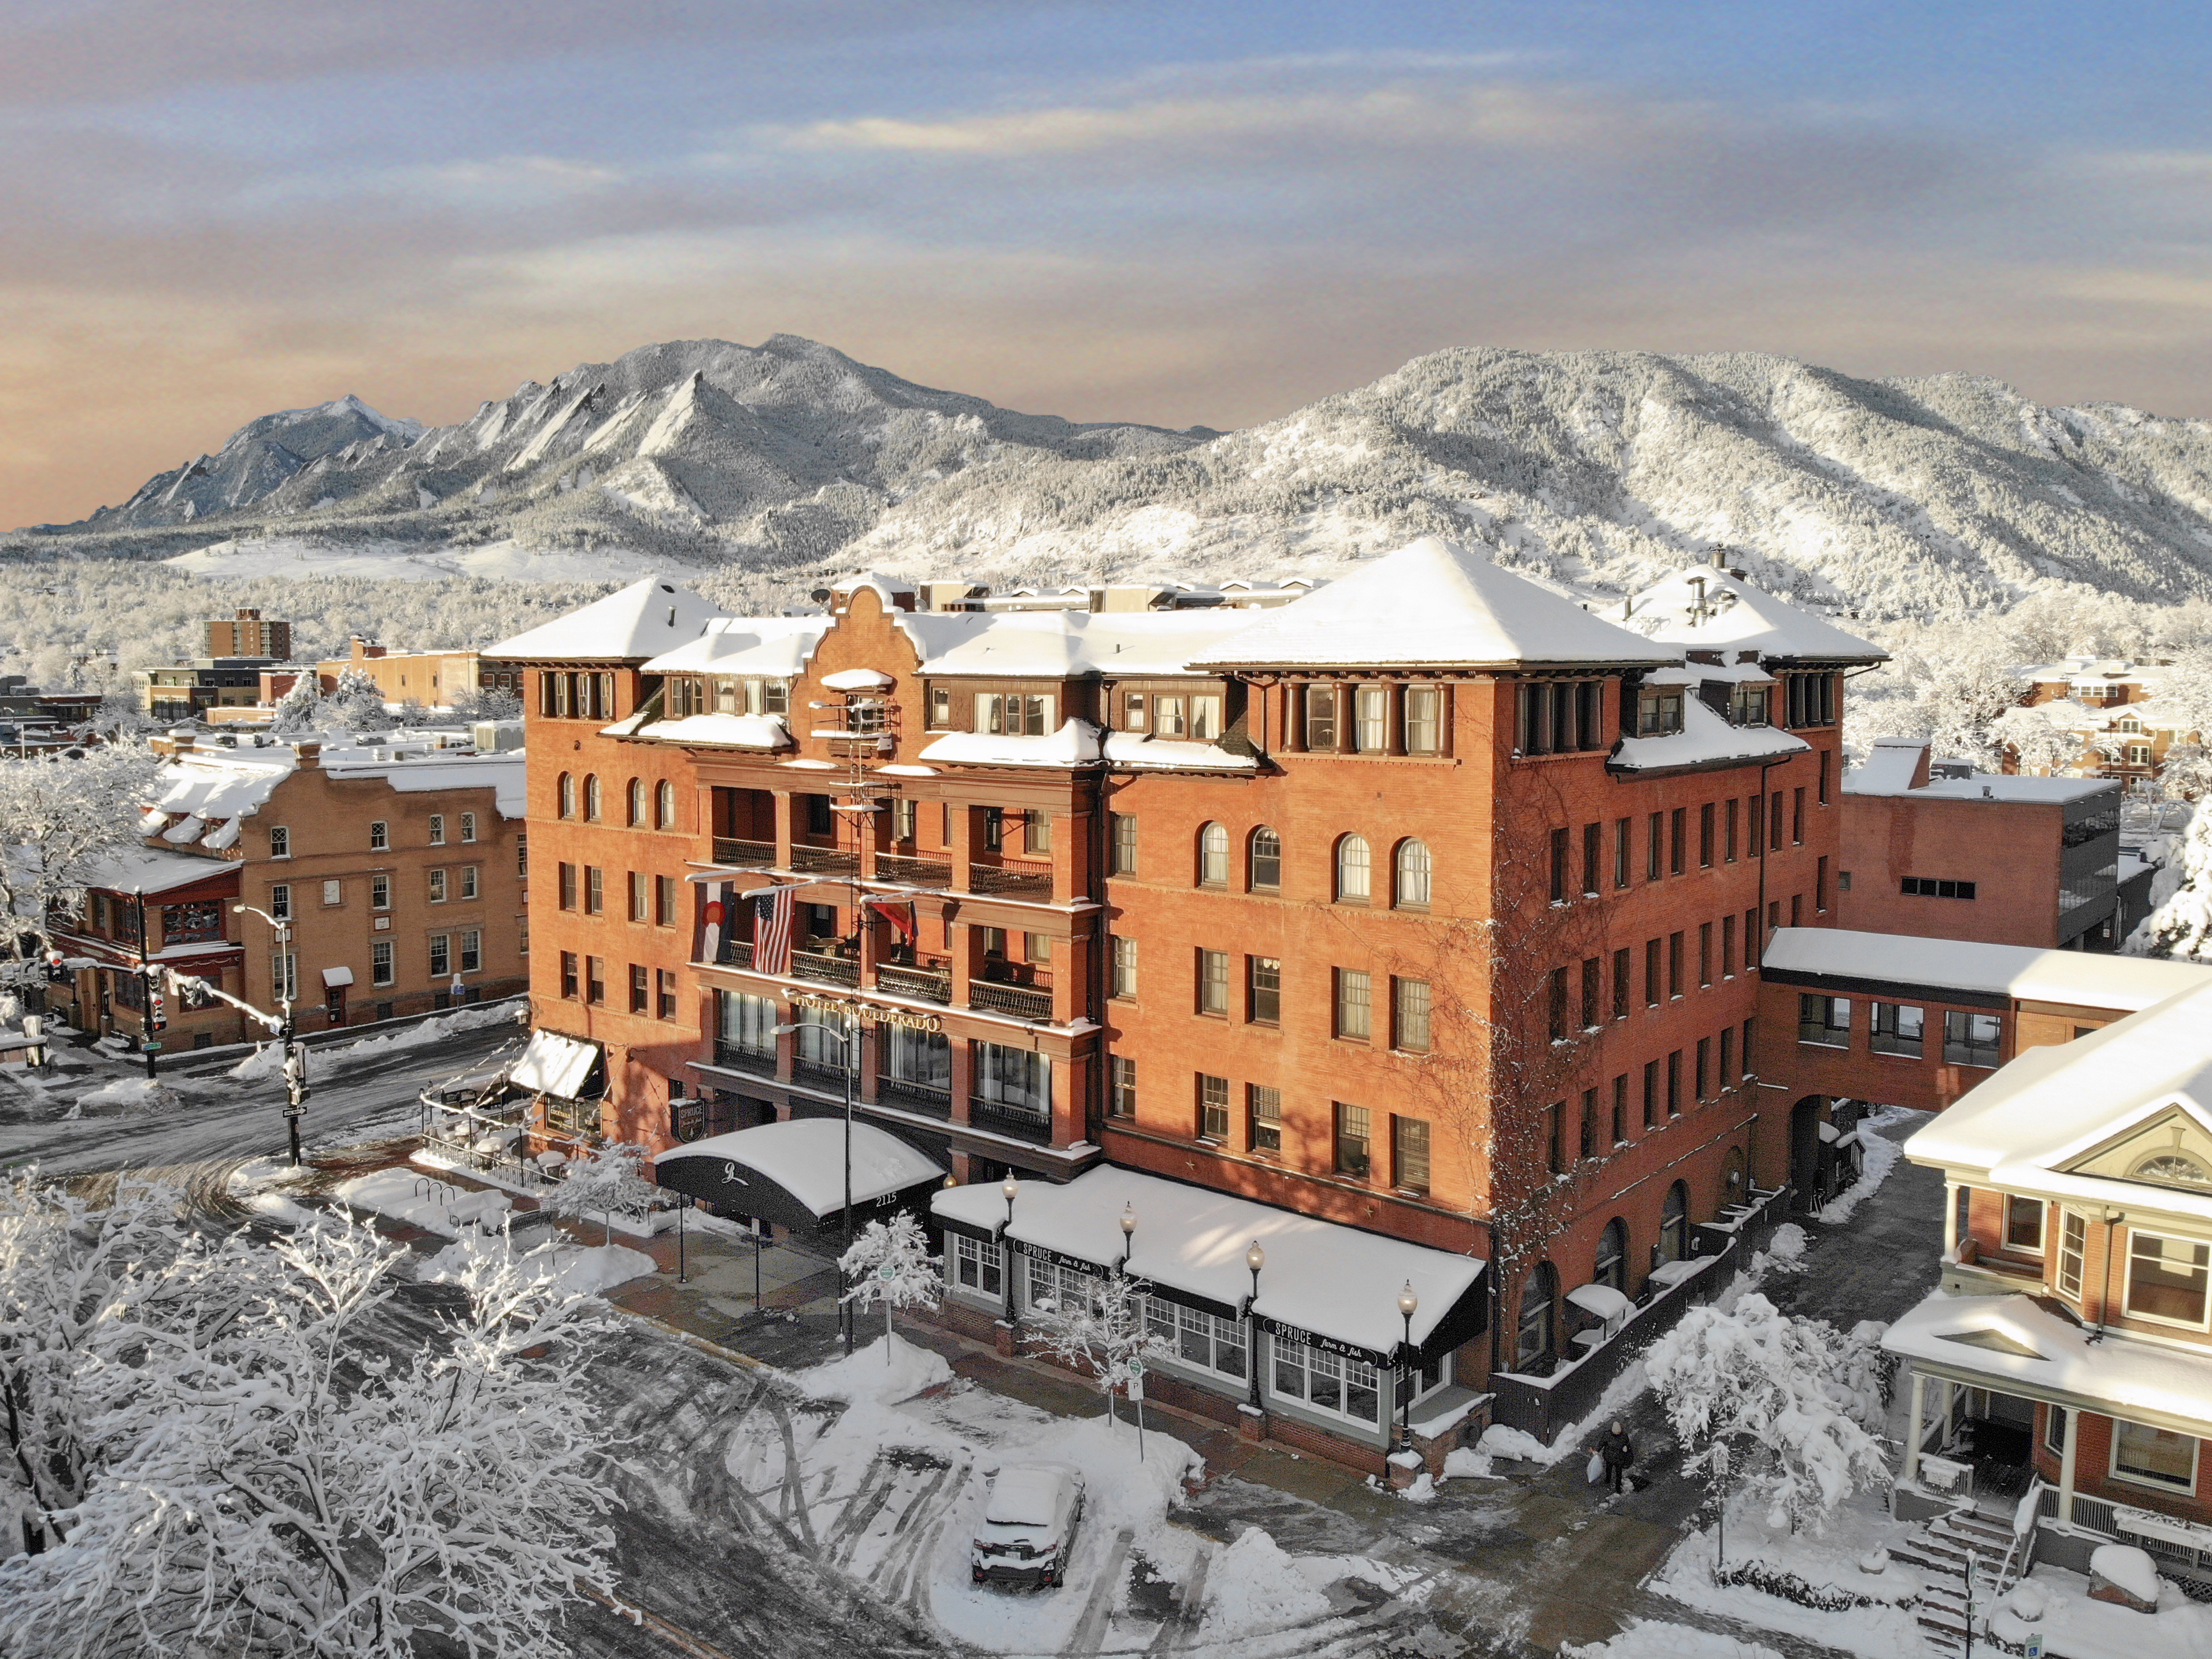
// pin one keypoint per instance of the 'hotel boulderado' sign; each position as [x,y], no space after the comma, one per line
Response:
[881,1013]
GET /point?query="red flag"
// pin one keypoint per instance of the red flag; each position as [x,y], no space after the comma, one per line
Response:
[899,913]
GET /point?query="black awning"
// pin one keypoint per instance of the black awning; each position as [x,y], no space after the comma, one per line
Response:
[792,1174]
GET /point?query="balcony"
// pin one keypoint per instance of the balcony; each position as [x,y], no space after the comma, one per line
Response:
[911,1096]
[759,1062]
[914,872]
[823,861]
[830,1080]
[930,985]
[825,970]
[752,855]
[1018,1122]
[735,953]
[1027,878]
[1021,1001]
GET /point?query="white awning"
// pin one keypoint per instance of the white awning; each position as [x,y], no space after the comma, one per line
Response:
[857,679]
[554,1065]
[1319,1278]
[337,976]
[1602,1301]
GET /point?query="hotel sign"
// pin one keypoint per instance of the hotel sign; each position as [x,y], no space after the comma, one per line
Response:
[880,1013]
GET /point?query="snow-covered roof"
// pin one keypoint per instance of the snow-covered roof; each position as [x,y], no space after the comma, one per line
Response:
[642,620]
[2086,979]
[501,773]
[1893,763]
[1059,645]
[149,870]
[1320,1276]
[1705,740]
[891,587]
[1076,744]
[1738,615]
[2044,1356]
[757,731]
[1431,603]
[774,648]
[806,1156]
[226,785]
[1144,753]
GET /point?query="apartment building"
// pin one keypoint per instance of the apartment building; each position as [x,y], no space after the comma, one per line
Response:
[2070,1340]
[248,634]
[1412,923]
[2119,709]
[400,870]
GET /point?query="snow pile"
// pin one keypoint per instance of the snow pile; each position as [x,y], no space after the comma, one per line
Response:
[1463,1464]
[132,1097]
[567,1269]
[1649,1638]
[2130,1568]
[1881,1620]
[2055,1603]
[1881,1156]
[268,1060]
[253,1184]
[1784,1252]
[868,1374]
[1254,1588]
[434,1206]
[1498,1441]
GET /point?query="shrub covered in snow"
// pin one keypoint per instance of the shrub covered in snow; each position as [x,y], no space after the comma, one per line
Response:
[890,1266]
[601,1182]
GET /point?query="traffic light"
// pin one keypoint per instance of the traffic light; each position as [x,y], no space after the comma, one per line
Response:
[157,1009]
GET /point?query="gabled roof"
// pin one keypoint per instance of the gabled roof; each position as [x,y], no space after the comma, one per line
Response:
[1431,603]
[642,620]
[1707,609]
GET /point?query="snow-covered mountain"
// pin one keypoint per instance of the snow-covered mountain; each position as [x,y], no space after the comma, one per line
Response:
[1932,496]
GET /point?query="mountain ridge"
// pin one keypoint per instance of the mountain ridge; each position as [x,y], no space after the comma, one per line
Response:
[1942,495]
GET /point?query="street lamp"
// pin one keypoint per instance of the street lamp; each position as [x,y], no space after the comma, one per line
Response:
[1255,1258]
[1128,1232]
[845,1039]
[1408,1303]
[295,1057]
[1009,1189]
[1012,1189]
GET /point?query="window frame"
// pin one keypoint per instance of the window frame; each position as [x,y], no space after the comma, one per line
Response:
[2204,1320]
[2150,1481]
[1346,864]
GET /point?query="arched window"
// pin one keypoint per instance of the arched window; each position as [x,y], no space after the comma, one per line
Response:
[1611,1266]
[1674,1224]
[1213,855]
[664,803]
[591,796]
[636,819]
[1413,873]
[1532,1344]
[1353,882]
[1264,868]
[568,789]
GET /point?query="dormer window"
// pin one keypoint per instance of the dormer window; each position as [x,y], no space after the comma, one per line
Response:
[1658,711]
[1752,705]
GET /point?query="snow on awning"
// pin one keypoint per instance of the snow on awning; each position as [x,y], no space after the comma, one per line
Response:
[1602,1301]
[858,679]
[1332,1285]
[222,837]
[793,1173]
[185,830]
[333,977]
[552,1064]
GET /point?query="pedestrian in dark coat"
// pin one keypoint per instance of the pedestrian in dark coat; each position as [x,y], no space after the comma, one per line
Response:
[1618,1451]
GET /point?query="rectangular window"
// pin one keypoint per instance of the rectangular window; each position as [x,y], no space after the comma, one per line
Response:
[1674,965]
[1652,995]
[468,829]
[380,892]
[2153,1457]
[1755,821]
[1556,1012]
[1409,1017]
[522,856]
[1125,844]
[568,974]
[379,961]
[1352,1146]
[1214,984]
[2166,1278]
[664,982]
[1820,883]
[1205,718]
[1703,1070]
[639,896]
[1623,834]
[333,892]
[1705,837]
[1409,1154]
[1321,717]
[1371,707]
[1622,990]
[438,886]
[441,956]
[941,707]
[471,951]
[1895,1028]
[1263,990]
[1353,1004]
[641,988]
[1704,953]
[468,881]
[1774,829]
[1266,1107]
[283,974]
[979,1265]
[567,884]
[1929,887]
[1125,966]
[1971,1039]
[1212,1107]
[1678,841]
[1593,856]
[1593,993]
[663,901]
[904,816]
[2073,1252]
[1728,829]
[1748,1025]
[1824,1022]
[280,905]
[1559,867]
[595,891]
[1750,940]
[1555,1146]
[280,842]
[437,829]
[2023,1224]
[1122,1087]
[1621,1110]
[1798,815]
[595,979]
[2054,1429]
[1423,726]
[1168,717]
[1650,1093]
[1586,1144]
[1674,1084]
[1727,1058]
[379,835]
[1655,857]
[1036,831]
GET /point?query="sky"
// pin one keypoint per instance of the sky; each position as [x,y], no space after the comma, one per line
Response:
[1171,213]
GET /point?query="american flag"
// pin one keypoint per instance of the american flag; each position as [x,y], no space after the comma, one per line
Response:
[772,915]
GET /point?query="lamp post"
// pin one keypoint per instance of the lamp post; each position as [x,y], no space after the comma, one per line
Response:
[148,1043]
[1255,1258]
[1009,1189]
[1408,1304]
[1129,1233]
[845,1039]
[295,1057]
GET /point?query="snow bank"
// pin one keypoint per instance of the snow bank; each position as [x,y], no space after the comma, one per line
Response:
[2071,1623]
[867,1375]
[131,1096]
[436,1206]
[1651,1639]
[2128,1567]
[575,1269]
[268,1060]
[1461,1464]
[1881,1156]
[1254,1588]
[1498,1441]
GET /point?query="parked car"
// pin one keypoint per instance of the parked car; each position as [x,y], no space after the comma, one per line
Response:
[1028,1526]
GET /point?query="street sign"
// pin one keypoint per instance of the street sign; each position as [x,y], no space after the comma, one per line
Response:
[1136,1367]
[2035,1644]
[887,1272]
[152,1045]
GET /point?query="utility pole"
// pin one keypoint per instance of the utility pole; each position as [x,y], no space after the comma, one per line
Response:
[147,996]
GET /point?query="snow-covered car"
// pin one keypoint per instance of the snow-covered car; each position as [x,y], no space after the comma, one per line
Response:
[1028,1529]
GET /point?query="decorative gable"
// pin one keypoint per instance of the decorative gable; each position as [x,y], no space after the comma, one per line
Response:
[2172,1149]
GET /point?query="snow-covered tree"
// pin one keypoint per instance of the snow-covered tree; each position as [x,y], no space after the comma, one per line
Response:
[298,710]
[1808,1396]
[2036,744]
[2180,925]
[602,1181]
[356,702]
[485,703]
[891,1265]
[268,1477]
[59,817]
[1102,1335]
[2186,772]
[121,715]
[72,1275]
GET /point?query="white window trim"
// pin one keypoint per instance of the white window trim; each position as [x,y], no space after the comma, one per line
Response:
[960,1244]
[1173,1358]
[1383,1391]
[2059,1257]
[2042,1228]
[2148,1482]
[2128,1285]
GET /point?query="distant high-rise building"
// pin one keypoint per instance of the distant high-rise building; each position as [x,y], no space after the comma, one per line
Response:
[246,634]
